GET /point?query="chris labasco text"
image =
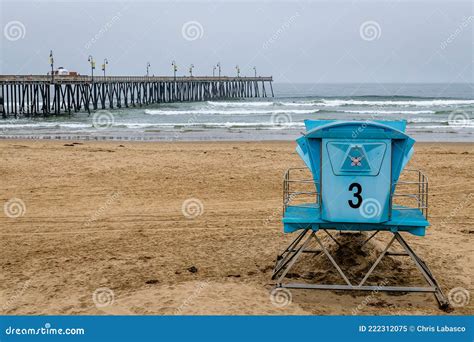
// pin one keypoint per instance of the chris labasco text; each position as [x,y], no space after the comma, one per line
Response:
[440,328]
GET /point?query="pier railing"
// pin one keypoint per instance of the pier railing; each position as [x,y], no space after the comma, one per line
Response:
[90,79]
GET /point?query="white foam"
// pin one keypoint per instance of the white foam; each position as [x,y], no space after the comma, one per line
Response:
[427,120]
[415,103]
[240,104]
[229,112]
[45,125]
[266,125]
[388,111]
[298,104]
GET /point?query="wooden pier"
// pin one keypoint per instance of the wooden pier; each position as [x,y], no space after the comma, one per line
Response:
[42,95]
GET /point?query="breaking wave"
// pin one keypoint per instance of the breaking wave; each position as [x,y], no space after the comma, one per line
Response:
[228,112]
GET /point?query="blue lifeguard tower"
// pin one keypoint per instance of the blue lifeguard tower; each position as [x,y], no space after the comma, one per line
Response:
[355,186]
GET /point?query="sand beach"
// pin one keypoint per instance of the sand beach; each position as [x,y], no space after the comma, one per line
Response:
[194,228]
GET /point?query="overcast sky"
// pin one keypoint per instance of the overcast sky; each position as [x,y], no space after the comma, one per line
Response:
[295,41]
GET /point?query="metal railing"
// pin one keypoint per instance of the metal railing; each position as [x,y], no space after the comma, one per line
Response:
[415,188]
[98,78]
[296,189]
[411,190]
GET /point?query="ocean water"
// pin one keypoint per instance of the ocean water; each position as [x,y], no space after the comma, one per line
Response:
[434,112]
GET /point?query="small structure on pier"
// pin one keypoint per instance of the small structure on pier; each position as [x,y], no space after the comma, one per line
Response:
[42,95]
[355,186]
[61,71]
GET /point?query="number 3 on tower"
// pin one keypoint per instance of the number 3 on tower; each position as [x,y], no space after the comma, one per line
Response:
[357,195]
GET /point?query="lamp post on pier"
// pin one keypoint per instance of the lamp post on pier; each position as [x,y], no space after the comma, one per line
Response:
[92,62]
[255,71]
[238,70]
[219,68]
[104,64]
[148,65]
[175,69]
[191,67]
[51,62]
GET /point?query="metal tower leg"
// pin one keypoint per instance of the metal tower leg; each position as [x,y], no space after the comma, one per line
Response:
[291,254]
[420,264]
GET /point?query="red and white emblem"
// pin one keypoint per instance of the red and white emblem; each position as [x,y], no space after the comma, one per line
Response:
[355,161]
